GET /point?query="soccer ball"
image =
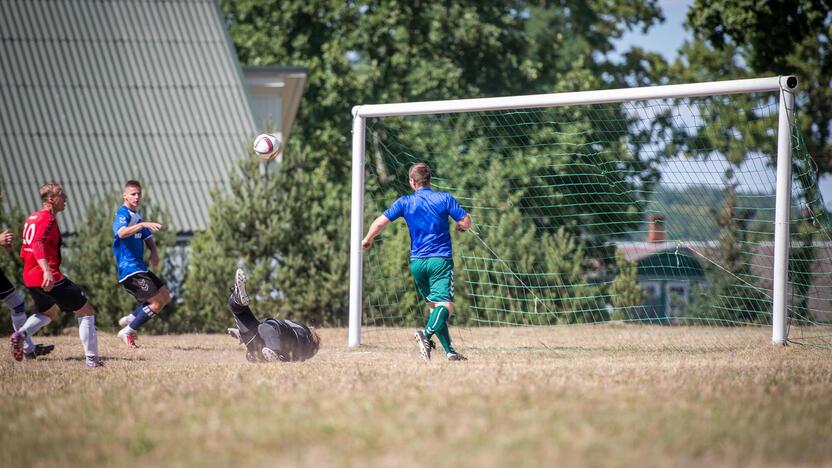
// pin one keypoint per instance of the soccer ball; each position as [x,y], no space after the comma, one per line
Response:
[267,146]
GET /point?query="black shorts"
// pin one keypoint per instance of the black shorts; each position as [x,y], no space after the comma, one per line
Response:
[6,286]
[65,293]
[143,286]
[291,341]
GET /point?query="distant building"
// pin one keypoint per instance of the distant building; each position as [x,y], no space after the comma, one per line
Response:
[275,94]
[101,92]
[667,274]
[669,271]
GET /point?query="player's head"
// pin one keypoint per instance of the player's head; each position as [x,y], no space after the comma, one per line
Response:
[419,175]
[53,196]
[132,194]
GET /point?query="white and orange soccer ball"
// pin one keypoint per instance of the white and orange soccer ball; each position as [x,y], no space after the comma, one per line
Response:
[267,146]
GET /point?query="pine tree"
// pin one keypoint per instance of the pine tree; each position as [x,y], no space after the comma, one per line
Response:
[287,243]
[625,292]
[731,294]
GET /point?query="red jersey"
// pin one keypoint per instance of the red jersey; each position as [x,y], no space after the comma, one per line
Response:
[41,239]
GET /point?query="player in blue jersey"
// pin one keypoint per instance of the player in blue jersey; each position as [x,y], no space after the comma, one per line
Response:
[131,234]
[431,260]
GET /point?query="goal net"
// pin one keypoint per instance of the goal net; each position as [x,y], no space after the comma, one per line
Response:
[630,216]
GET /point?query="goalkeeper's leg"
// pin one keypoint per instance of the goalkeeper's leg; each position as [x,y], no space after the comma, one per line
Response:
[247,325]
[246,321]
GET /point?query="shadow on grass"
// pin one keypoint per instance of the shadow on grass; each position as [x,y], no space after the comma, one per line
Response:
[617,349]
[197,348]
[104,358]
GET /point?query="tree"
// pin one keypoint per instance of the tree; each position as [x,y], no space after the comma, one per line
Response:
[625,291]
[732,295]
[748,38]
[383,52]
[250,227]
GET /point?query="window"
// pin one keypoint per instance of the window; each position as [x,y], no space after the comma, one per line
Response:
[677,299]
[652,291]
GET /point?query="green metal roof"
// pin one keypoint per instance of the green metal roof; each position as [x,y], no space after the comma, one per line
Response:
[97,92]
[671,264]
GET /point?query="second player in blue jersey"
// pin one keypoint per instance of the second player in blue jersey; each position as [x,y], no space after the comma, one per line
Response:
[130,236]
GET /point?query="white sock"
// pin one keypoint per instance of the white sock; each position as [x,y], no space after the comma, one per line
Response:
[14,300]
[17,322]
[18,319]
[15,303]
[34,323]
[86,330]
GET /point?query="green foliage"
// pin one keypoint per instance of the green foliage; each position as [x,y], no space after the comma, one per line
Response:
[801,256]
[690,215]
[732,295]
[208,277]
[747,38]
[267,224]
[389,292]
[625,291]
[382,52]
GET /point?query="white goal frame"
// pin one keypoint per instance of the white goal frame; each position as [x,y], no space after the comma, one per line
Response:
[782,84]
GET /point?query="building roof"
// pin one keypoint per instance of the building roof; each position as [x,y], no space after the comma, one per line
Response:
[96,93]
[290,80]
[637,251]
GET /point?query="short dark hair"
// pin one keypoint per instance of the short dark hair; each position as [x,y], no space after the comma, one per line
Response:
[49,190]
[420,173]
[132,183]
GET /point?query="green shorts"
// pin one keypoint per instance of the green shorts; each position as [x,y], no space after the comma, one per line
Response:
[434,278]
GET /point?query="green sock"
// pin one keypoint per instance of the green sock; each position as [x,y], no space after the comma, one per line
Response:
[445,338]
[438,325]
[429,331]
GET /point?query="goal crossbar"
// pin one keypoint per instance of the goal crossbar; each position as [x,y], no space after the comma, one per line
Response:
[782,84]
[605,96]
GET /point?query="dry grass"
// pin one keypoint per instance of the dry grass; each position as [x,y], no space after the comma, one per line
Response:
[609,396]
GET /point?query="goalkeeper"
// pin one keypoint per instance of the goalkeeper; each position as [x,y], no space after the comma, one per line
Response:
[431,261]
[270,340]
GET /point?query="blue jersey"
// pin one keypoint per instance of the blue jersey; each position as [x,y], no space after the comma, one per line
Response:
[129,251]
[426,213]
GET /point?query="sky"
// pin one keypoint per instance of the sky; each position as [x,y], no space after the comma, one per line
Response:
[667,37]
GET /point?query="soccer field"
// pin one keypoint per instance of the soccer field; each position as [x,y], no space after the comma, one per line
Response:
[526,397]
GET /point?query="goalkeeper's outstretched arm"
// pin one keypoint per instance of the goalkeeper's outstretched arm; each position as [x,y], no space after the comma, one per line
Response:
[375,229]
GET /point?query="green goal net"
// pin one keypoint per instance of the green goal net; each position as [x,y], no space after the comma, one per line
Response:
[652,215]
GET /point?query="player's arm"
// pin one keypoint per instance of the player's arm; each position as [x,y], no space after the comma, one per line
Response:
[39,252]
[464,224]
[154,254]
[462,218]
[375,229]
[6,240]
[128,231]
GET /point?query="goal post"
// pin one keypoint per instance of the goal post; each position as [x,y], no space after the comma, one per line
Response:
[784,85]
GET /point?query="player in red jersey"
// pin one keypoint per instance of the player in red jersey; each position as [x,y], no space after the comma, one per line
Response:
[51,290]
